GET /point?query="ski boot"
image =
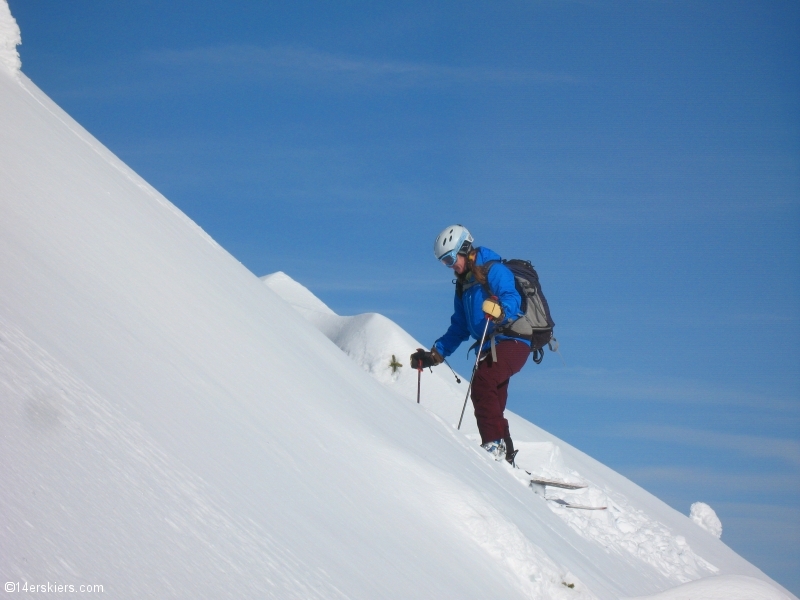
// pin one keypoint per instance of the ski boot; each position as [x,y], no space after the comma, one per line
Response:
[496,448]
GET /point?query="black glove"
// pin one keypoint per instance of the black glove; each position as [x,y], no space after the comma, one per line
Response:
[422,359]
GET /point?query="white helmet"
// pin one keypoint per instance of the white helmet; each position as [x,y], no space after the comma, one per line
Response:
[451,242]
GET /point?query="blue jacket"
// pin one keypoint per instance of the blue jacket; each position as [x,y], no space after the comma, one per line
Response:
[468,319]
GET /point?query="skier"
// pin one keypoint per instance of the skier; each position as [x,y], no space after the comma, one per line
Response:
[482,292]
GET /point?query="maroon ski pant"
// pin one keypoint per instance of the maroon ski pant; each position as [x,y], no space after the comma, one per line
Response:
[490,388]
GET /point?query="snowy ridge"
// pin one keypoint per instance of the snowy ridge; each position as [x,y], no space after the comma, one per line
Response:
[10,38]
[624,529]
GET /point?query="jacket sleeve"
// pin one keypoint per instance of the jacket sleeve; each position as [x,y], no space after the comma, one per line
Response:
[501,283]
[456,333]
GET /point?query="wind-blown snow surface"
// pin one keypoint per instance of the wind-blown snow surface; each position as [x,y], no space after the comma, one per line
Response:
[171,427]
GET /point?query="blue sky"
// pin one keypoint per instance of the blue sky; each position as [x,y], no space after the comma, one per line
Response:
[645,155]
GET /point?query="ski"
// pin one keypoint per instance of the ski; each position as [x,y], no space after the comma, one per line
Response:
[558,484]
[538,485]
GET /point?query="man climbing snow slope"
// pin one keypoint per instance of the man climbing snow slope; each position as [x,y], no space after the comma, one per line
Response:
[485,298]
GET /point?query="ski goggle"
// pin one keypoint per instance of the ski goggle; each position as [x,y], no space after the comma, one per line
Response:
[449,259]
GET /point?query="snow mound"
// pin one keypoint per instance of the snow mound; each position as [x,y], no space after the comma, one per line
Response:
[376,343]
[702,514]
[10,38]
[722,587]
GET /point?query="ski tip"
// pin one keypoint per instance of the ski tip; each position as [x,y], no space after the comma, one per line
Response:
[559,484]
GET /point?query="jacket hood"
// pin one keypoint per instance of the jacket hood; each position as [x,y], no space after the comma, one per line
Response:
[485,255]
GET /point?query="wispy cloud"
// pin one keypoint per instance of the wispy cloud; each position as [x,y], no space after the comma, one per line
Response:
[627,385]
[174,71]
[725,483]
[375,285]
[786,450]
[307,65]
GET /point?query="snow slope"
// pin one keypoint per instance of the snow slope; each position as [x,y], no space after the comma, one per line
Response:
[171,427]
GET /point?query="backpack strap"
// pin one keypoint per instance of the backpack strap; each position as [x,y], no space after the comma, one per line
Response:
[462,286]
[482,272]
[538,356]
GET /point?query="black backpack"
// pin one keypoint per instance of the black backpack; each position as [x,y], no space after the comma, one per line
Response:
[535,324]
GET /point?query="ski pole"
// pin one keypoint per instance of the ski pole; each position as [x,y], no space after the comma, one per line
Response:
[419,381]
[475,368]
